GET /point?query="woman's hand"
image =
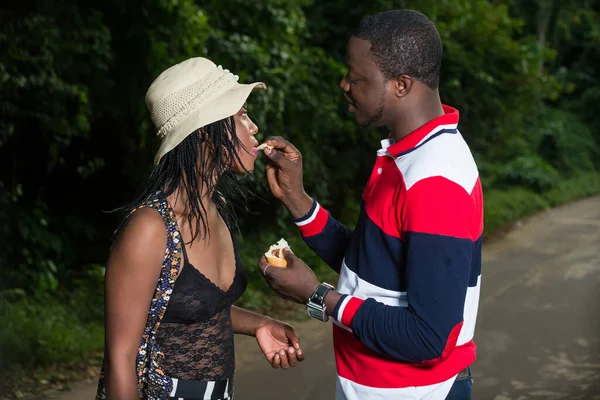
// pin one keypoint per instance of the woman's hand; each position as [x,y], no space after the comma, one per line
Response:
[279,343]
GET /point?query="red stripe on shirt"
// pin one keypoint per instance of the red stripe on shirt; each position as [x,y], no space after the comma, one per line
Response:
[348,313]
[450,117]
[364,366]
[317,225]
[436,205]
[450,345]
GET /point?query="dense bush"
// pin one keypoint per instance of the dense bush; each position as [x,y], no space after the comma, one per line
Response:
[76,141]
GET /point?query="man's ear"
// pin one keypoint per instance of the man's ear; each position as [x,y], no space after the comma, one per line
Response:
[403,85]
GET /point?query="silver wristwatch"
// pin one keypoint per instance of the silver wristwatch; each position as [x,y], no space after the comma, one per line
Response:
[315,307]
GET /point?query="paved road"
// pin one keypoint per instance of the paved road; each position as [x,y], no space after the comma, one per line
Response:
[538,332]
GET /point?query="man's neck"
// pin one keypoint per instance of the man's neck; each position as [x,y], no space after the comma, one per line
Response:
[426,108]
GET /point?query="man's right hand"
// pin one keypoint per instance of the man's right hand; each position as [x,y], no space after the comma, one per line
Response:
[284,174]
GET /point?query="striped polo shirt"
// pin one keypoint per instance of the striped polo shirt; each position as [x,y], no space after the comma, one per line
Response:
[410,271]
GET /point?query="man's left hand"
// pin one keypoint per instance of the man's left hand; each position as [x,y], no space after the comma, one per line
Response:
[296,283]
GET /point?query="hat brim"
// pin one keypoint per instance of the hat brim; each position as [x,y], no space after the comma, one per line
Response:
[221,107]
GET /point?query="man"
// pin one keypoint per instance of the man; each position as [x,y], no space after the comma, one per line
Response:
[407,297]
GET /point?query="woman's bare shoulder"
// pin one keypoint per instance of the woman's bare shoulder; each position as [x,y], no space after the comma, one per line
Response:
[144,232]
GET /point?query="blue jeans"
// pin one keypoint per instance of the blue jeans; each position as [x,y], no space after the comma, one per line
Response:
[462,387]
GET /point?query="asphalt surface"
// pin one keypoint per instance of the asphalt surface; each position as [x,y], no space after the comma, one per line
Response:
[538,330]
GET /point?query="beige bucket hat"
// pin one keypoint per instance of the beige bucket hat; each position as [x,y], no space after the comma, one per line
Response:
[190,95]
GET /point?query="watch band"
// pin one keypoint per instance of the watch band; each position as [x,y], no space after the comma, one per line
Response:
[315,307]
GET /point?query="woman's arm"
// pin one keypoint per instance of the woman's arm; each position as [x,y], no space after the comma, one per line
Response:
[246,322]
[277,340]
[132,272]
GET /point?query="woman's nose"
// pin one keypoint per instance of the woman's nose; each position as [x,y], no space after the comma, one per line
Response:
[345,85]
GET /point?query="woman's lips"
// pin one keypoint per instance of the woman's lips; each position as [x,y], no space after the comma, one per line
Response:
[351,105]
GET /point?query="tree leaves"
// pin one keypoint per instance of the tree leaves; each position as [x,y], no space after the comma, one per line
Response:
[75,135]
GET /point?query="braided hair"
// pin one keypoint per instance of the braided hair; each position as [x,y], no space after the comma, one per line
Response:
[186,168]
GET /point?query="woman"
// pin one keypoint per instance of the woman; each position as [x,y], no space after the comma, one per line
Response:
[174,338]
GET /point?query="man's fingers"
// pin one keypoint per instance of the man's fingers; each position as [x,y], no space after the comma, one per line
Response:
[281,144]
[282,151]
[262,261]
[276,141]
[262,265]
[271,173]
[266,269]
[289,256]
[270,272]
[275,156]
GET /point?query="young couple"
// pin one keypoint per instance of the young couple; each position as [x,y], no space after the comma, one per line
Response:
[406,302]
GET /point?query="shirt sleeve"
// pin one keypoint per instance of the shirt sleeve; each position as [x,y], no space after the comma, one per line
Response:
[327,237]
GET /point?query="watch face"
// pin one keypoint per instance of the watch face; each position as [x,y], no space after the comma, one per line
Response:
[316,312]
[315,306]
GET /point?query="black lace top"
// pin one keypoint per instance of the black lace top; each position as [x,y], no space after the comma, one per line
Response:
[196,334]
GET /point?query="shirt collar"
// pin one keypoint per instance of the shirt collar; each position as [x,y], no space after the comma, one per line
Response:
[446,123]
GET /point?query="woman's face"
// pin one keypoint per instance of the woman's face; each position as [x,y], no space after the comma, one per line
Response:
[245,130]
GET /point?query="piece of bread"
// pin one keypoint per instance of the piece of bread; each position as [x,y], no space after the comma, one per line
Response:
[275,254]
[264,145]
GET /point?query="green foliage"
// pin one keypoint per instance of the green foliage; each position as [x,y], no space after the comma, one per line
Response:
[76,140]
[529,171]
[572,189]
[303,100]
[42,332]
[502,207]
[505,206]
[565,142]
[38,245]
[48,59]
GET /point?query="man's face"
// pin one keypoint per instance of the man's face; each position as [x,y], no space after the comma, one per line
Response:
[364,85]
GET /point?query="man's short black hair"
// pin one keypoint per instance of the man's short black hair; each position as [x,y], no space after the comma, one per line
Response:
[404,42]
